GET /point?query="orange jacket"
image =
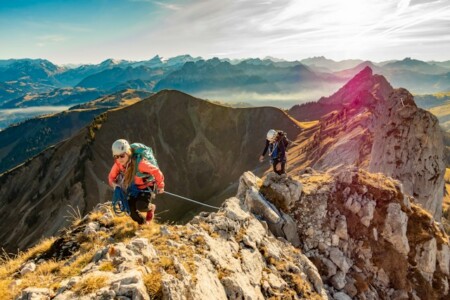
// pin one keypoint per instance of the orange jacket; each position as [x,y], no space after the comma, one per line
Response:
[144,167]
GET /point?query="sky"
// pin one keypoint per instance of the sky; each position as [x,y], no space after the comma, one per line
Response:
[90,31]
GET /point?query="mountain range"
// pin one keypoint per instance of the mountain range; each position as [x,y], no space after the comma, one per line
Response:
[26,78]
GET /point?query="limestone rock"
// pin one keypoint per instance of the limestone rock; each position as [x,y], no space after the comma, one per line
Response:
[29,267]
[36,294]
[130,284]
[340,260]
[91,228]
[259,206]
[338,280]
[408,146]
[367,212]
[395,228]
[341,296]
[426,258]
[282,191]
[443,258]
[341,228]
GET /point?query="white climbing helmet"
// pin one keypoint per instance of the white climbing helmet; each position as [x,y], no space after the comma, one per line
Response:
[271,135]
[120,146]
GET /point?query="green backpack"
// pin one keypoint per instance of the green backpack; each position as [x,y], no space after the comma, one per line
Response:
[142,151]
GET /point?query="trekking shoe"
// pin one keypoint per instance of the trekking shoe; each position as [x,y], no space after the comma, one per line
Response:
[150,214]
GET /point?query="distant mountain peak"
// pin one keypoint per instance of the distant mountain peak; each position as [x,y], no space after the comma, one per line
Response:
[156,58]
[180,59]
[365,73]
[111,61]
[274,59]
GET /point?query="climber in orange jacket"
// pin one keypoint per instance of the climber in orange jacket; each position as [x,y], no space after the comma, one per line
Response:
[130,172]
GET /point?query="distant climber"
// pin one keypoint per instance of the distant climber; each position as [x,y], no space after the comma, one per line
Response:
[276,143]
[136,173]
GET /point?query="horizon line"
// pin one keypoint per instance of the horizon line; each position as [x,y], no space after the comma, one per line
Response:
[267,57]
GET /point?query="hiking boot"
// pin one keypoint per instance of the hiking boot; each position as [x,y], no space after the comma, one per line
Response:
[150,214]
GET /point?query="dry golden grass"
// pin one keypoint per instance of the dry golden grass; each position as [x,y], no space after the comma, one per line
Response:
[40,248]
[377,180]
[45,276]
[78,264]
[300,286]
[166,262]
[5,291]
[9,265]
[309,124]
[152,282]
[89,284]
[130,101]
[124,229]
[150,231]
[446,203]
[446,200]
[48,274]
[74,215]
[95,216]
[107,266]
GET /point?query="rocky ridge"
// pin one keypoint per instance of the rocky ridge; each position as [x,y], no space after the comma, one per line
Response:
[380,129]
[359,235]
[368,239]
[229,254]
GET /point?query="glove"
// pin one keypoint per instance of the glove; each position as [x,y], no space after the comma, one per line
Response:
[160,191]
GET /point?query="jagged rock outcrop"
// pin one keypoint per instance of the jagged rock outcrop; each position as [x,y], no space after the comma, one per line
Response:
[380,129]
[408,145]
[229,254]
[367,238]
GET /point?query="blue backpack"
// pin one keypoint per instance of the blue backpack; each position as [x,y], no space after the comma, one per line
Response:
[142,151]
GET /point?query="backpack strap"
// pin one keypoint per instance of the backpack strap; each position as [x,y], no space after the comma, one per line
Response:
[145,177]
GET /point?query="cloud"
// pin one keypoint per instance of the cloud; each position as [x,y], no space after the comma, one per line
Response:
[55,38]
[414,2]
[169,6]
[296,29]
[44,40]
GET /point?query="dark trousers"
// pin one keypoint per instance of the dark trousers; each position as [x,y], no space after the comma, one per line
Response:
[283,165]
[140,203]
